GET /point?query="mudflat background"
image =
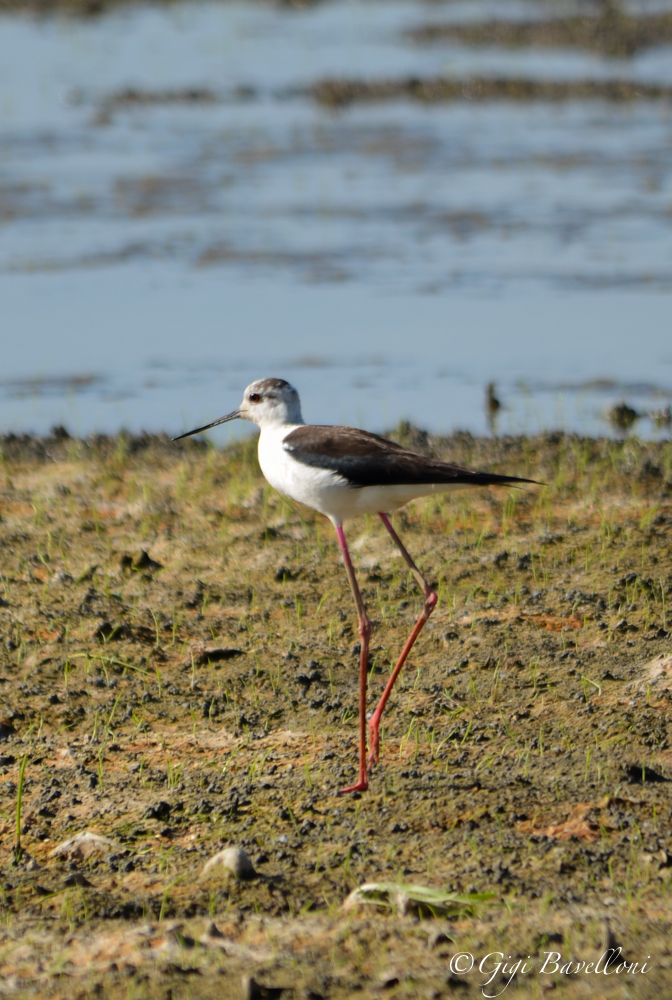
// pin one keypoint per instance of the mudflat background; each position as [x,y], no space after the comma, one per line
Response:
[177,670]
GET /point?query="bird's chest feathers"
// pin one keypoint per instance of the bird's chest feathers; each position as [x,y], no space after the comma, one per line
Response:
[285,474]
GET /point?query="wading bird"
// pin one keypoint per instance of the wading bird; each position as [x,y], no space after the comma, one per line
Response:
[343,472]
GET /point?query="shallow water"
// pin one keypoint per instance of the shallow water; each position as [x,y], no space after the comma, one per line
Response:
[157,253]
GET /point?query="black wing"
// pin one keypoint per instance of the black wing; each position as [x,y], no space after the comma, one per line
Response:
[366,459]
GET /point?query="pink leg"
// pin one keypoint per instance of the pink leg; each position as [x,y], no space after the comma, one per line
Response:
[430,601]
[364,635]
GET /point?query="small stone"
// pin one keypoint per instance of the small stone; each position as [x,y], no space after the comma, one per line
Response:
[213,931]
[456,982]
[252,990]
[177,937]
[105,630]
[638,774]
[193,599]
[437,939]
[6,729]
[200,655]
[145,562]
[83,846]
[388,980]
[234,860]
[160,811]
[76,878]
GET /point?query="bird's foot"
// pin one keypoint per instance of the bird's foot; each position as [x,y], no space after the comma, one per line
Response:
[361,786]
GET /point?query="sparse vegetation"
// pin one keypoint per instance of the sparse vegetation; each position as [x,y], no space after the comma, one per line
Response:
[525,752]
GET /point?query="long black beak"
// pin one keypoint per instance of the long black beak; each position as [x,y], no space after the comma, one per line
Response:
[222,420]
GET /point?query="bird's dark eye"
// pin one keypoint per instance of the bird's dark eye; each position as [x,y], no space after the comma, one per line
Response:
[254,397]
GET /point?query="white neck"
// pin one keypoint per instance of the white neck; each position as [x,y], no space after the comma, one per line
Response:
[278,413]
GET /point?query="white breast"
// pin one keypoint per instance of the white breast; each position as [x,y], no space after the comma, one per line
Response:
[324,490]
[317,488]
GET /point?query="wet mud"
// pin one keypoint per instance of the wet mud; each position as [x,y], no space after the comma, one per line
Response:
[178,672]
[614,33]
[343,92]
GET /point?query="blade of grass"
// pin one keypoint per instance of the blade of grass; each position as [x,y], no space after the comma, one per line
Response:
[19,797]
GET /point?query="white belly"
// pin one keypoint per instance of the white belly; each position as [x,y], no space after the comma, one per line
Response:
[324,490]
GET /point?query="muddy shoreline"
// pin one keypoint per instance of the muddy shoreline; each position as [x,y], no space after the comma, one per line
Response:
[179,670]
[612,33]
[340,93]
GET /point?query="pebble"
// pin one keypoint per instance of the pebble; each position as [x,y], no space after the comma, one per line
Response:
[388,979]
[252,990]
[213,931]
[234,860]
[77,879]
[83,846]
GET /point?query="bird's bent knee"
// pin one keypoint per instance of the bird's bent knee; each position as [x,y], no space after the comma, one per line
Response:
[365,629]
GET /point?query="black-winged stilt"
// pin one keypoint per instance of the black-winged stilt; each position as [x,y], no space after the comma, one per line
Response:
[343,472]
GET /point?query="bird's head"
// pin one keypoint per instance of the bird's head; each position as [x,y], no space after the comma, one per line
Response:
[271,401]
[266,401]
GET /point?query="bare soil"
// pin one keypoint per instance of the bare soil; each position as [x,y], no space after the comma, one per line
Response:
[178,670]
